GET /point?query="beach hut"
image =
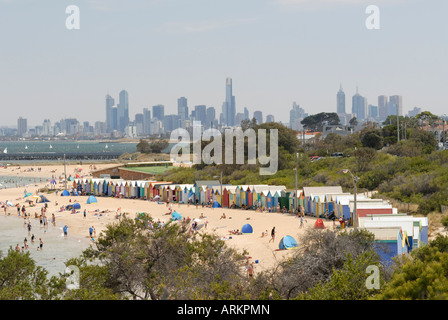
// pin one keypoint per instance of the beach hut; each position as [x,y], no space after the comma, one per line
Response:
[287,242]
[319,224]
[247,228]
[91,199]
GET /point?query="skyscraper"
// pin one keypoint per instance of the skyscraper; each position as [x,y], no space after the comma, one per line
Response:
[210,118]
[21,126]
[228,107]
[296,115]
[123,110]
[340,101]
[396,105]
[182,108]
[382,107]
[110,102]
[359,106]
[258,115]
[270,118]
[146,120]
[158,111]
[201,114]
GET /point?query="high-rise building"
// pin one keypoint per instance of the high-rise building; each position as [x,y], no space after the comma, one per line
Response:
[296,115]
[258,115]
[123,110]
[246,114]
[414,112]
[21,126]
[46,128]
[171,122]
[110,102]
[182,108]
[340,101]
[359,106]
[200,113]
[210,118]
[228,107]
[396,105]
[373,112]
[158,111]
[383,112]
[270,118]
[114,118]
[146,121]
[139,124]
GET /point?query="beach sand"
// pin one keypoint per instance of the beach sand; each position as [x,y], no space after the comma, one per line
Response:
[262,250]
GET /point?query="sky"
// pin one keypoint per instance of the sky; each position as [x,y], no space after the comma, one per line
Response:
[276,51]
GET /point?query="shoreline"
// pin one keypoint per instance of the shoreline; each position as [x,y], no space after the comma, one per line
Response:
[260,248]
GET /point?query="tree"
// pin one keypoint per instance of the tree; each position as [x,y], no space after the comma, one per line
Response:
[143,146]
[316,122]
[146,260]
[322,252]
[423,275]
[372,139]
[21,279]
[364,158]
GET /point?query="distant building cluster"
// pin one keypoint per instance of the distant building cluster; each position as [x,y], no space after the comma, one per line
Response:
[153,122]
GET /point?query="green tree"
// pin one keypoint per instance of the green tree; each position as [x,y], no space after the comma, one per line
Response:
[316,122]
[21,279]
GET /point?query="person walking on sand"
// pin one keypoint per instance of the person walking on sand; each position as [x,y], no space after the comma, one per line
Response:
[272,235]
[65,229]
[41,244]
[85,213]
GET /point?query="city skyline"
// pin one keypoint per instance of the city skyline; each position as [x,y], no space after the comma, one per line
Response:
[276,51]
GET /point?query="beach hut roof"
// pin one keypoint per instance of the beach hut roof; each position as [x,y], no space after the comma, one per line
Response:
[322,190]
[201,183]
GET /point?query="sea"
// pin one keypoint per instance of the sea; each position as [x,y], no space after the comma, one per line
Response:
[56,249]
[62,146]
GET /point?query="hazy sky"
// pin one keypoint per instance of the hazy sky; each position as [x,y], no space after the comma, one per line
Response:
[276,52]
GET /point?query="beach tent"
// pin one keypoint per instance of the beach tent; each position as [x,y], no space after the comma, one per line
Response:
[76,205]
[28,194]
[216,204]
[91,199]
[247,228]
[319,224]
[176,216]
[287,242]
[43,199]
[65,193]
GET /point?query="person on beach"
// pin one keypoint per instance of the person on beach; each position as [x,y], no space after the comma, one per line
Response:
[65,229]
[41,244]
[272,235]
[85,213]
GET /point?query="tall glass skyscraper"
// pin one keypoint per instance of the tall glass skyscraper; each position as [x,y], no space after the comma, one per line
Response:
[228,107]
[340,101]
[123,110]
[359,106]
[110,102]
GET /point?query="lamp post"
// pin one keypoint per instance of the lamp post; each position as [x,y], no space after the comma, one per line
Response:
[355,180]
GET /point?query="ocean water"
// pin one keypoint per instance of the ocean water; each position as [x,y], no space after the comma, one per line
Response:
[56,248]
[19,181]
[66,146]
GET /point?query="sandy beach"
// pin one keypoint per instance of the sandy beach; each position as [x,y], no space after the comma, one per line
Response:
[262,250]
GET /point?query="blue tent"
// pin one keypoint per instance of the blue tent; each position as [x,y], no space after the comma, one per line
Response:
[43,199]
[287,242]
[76,205]
[65,193]
[75,192]
[176,216]
[91,199]
[247,228]
[216,204]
